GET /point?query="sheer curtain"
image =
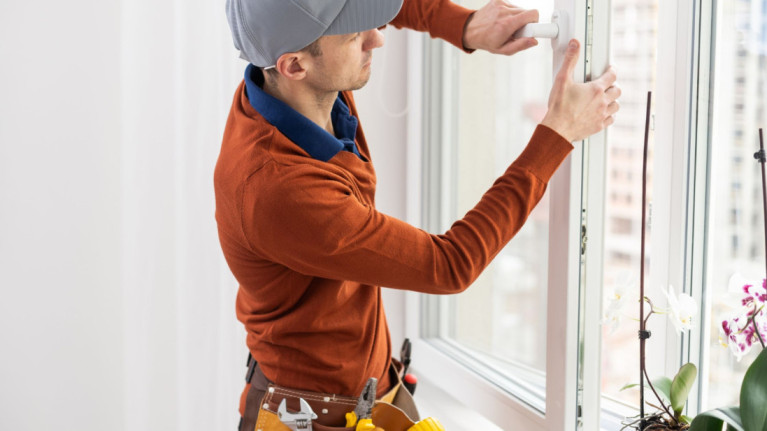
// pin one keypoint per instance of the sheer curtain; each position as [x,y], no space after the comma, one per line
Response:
[116,306]
[185,352]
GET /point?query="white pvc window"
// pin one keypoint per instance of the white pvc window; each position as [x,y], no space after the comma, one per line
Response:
[633,49]
[706,213]
[508,344]
[734,229]
[706,63]
[501,319]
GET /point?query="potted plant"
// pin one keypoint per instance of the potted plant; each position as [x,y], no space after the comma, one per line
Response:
[740,332]
[670,393]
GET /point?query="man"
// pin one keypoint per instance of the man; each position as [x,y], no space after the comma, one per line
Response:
[295,194]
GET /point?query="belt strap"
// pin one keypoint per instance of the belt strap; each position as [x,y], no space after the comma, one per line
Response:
[263,399]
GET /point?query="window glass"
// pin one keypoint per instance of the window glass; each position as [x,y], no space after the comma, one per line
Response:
[634,29]
[735,227]
[502,317]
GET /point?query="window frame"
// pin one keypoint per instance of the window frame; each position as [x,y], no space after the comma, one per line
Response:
[477,391]
[681,118]
[679,124]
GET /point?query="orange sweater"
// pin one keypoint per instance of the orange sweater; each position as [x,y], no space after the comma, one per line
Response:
[310,251]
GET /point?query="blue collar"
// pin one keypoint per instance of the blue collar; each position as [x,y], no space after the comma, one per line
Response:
[312,138]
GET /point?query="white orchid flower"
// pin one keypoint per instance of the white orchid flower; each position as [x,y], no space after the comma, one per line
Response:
[617,297]
[682,310]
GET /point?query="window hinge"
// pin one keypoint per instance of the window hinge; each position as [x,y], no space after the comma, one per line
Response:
[584,239]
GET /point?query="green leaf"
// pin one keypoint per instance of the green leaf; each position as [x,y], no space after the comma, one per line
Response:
[663,386]
[714,420]
[685,419]
[753,395]
[681,385]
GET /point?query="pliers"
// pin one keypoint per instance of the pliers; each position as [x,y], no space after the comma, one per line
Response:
[362,416]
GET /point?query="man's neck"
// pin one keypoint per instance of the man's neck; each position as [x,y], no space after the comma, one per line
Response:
[312,105]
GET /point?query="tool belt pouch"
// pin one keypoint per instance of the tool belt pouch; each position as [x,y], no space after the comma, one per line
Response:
[330,410]
[390,418]
[396,411]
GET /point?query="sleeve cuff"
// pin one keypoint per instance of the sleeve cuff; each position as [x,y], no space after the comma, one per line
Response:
[544,153]
[450,23]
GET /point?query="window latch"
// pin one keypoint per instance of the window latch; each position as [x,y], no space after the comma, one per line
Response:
[558,30]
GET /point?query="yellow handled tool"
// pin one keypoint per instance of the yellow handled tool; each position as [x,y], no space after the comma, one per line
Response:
[362,424]
[362,416]
[428,424]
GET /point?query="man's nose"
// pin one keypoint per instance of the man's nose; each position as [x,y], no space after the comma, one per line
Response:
[373,39]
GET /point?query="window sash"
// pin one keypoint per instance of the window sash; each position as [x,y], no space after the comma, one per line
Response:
[678,123]
[478,391]
[682,131]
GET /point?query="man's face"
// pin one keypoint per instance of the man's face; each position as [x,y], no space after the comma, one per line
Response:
[345,61]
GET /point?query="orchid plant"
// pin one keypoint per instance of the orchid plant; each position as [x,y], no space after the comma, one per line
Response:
[740,332]
[671,394]
[682,310]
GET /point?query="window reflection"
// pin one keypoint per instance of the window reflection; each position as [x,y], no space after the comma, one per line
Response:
[735,228]
[634,29]
[502,99]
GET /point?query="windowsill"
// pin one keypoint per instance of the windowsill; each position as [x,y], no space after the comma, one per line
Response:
[454,415]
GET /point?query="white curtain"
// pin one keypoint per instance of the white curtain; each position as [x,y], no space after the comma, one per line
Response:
[116,307]
[185,352]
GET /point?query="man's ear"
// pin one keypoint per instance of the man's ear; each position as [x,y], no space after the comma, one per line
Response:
[292,65]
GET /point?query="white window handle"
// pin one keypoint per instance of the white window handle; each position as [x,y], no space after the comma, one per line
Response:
[558,30]
[548,31]
[558,26]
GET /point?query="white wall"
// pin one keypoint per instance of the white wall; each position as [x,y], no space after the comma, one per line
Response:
[115,309]
[383,106]
[60,292]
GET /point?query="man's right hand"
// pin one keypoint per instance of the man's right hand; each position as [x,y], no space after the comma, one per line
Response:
[577,111]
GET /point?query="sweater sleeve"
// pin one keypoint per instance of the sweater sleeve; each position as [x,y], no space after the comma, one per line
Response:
[441,18]
[311,222]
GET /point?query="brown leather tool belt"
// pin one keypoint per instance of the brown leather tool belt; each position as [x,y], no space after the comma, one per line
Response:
[395,411]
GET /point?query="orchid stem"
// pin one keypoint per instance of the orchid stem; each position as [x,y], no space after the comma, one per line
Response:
[761,157]
[658,396]
[756,327]
[643,334]
[648,316]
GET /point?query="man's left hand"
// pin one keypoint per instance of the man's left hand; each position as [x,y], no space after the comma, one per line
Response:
[491,28]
